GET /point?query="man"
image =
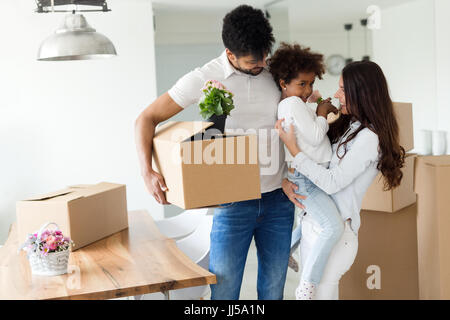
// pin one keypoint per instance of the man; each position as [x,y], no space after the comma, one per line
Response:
[248,39]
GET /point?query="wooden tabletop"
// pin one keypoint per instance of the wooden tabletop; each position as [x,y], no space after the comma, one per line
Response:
[135,261]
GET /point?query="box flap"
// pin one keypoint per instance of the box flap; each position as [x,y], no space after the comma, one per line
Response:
[81,186]
[435,161]
[86,190]
[177,131]
[50,195]
[75,192]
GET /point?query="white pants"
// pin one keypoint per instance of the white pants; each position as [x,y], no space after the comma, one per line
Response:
[341,258]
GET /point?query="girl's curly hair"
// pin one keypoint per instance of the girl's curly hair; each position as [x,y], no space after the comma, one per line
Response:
[291,59]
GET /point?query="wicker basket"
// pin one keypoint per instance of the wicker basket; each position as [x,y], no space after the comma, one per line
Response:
[55,263]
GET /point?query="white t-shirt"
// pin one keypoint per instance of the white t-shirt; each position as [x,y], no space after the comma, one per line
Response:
[310,130]
[255,100]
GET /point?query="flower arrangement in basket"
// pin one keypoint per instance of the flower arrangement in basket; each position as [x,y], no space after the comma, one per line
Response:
[48,251]
[216,103]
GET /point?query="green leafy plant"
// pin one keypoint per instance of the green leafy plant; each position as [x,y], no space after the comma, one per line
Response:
[216,100]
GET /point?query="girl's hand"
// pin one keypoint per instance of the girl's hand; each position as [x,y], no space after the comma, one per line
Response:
[288,138]
[325,107]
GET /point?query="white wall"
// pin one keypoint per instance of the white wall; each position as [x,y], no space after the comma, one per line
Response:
[405,48]
[72,122]
[325,34]
[442,29]
[413,48]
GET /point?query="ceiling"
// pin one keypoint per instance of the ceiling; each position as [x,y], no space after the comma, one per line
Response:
[213,4]
[308,5]
[304,15]
[326,15]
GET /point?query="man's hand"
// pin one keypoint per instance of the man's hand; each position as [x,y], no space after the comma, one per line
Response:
[289,189]
[160,110]
[156,186]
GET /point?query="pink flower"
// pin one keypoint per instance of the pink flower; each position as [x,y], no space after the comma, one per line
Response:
[50,240]
[213,84]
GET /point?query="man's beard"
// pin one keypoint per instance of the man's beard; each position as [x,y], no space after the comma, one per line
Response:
[248,71]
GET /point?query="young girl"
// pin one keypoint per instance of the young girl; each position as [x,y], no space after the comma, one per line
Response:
[295,69]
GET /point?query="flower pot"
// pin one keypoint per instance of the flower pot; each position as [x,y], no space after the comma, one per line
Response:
[52,263]
[219,122]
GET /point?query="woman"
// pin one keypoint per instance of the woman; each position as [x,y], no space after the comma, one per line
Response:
[364,142]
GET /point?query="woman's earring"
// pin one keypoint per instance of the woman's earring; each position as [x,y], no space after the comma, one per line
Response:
[285,88]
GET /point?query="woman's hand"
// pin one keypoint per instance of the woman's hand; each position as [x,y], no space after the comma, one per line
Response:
[289,189]
[288,138]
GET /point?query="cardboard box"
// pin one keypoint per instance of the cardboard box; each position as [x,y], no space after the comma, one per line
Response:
[85,213]
[202,170]
[393,200]
[404,114]
[432,185]
[386,266]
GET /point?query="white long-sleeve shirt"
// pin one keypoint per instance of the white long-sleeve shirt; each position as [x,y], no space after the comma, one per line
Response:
[348,179]
[310,130]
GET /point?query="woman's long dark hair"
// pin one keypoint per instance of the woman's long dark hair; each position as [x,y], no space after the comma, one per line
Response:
[368,101]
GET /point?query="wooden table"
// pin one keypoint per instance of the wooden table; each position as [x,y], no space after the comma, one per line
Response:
[135,261]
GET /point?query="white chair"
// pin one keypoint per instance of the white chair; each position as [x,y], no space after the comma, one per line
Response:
[196,247]
[181,225]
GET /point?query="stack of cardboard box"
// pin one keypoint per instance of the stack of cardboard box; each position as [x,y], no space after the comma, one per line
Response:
[386,266]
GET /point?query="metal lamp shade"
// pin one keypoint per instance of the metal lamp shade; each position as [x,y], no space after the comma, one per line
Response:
[76,40]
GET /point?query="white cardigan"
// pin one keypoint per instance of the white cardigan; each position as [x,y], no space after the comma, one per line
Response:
[346,180]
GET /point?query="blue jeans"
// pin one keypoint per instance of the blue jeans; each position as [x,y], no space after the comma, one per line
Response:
[321,208]
[270,220]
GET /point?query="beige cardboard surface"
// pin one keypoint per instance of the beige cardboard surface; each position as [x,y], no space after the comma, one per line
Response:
[404,115]
[205,172]
[432,184]
[393,200]
[86,213]
[386,265]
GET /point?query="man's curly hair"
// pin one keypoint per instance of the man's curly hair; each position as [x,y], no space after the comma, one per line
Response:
[246,31]
[289,60]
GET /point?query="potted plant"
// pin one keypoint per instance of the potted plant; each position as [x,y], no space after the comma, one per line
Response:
[48,251]
[216,104]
